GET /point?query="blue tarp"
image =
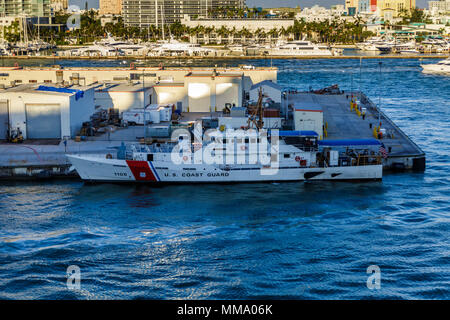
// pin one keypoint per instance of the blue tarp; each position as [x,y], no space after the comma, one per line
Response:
[350,142]
[295,133]
[78,93]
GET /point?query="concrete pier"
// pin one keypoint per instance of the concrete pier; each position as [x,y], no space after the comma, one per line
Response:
[44,160]
[343,123]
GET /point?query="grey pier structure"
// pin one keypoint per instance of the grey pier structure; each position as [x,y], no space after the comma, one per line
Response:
[342,123]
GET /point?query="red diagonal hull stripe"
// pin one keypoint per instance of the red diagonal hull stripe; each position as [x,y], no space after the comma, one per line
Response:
[141,170]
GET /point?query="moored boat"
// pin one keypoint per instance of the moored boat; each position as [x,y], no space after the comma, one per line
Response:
[303,48]
[440,67]
[294,157]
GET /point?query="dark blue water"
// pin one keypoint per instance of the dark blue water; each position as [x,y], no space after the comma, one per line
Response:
[293,240]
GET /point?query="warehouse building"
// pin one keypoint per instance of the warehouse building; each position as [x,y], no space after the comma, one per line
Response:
[210,91]
[124,96]
[86,76]
[172,93]
[46,111]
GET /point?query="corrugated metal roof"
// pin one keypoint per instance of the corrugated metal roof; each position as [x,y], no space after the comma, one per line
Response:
[297,133]
[306,106]
[350,142]
[266,83]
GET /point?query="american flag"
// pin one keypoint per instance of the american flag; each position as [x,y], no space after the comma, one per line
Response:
[383,151]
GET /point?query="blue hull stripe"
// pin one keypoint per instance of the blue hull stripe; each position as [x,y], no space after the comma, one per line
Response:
[154,170]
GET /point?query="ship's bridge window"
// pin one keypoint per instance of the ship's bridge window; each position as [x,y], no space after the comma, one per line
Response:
[150,157]
[287,155]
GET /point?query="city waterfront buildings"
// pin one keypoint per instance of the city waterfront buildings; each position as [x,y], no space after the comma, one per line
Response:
[439,12]
[250,24]
[110,7]
[143,13]
[59,5]
[318,13]
[395,7]
[440,6]
[387,9]
[25,8]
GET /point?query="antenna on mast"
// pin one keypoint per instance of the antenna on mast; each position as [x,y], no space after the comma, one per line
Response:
[257,113]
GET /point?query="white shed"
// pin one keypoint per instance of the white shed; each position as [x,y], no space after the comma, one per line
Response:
[308,116]
[171,93]
[47,111]
[269,88]
[124,96]
[211,91]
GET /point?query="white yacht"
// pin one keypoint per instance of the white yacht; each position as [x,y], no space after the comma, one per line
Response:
[176,48]
[95,50]
[409,51]
[302,48]
[126,47]
[435,45]
[370,44]
[4,48]
[236,49]
[440,67]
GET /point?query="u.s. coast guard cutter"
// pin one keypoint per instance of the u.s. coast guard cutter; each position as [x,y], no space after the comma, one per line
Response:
[295,157]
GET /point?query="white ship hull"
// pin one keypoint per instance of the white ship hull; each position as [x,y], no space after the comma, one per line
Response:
[294,52]
[96,169]
[436,68]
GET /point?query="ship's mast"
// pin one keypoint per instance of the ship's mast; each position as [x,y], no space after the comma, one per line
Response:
[260,122]
[257,112]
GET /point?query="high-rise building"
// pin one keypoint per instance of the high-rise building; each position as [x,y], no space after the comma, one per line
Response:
[59,5]
[395,7]
[351,7]
[25,8]
[110,7]
[439,6]
[142,13]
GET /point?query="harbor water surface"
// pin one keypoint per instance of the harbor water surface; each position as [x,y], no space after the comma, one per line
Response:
[288,240]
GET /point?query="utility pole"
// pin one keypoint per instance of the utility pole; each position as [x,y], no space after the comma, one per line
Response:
[351,90]
[360,77]
[143,105]
[379,95]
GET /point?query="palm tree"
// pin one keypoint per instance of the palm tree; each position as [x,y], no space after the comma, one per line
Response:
[245,33]
[273,33]
[223,32]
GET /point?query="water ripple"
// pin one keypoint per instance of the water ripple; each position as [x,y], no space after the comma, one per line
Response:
[256,241]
